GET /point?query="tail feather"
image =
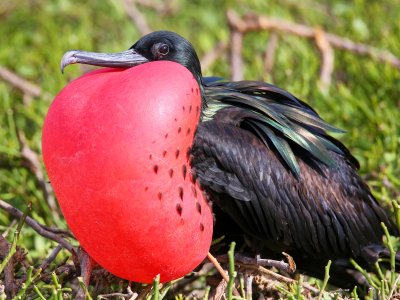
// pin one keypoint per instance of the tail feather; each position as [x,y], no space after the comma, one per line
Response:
[385,253]
[371,253]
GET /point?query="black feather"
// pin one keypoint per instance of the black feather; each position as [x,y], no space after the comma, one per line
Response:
[278,118]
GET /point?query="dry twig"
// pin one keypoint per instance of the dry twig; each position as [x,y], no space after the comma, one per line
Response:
[253,264]
[280,265]
[236,46]
[20,83]
[210,57]
[136,16]
[130,295]
[278,277]
[327,59]
[8,229]
[221,271]
[31,161]
[219,292]
[269,56]
[39,228]
[164,7]
[51,257]
[249,286]
[325,42]
[9,285]
[86,264]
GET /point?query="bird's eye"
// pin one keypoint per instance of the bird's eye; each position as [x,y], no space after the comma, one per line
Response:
[163,49]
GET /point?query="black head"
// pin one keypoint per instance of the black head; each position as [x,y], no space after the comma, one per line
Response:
[167,45]
[158,45]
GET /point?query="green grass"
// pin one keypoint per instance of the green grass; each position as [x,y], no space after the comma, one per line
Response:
[363,98]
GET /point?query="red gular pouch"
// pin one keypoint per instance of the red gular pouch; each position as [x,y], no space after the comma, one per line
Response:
[114,146]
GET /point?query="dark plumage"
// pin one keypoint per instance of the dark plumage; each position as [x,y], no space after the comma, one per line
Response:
[324,213]
[274,174]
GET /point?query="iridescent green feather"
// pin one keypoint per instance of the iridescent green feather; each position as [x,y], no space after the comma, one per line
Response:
[277,117]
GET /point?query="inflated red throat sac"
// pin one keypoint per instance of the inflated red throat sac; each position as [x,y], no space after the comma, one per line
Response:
[115,145]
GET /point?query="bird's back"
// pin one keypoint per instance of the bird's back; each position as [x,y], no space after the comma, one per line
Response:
[319,211]
[326,212]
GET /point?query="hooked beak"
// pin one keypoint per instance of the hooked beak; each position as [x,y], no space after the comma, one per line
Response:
[125,59]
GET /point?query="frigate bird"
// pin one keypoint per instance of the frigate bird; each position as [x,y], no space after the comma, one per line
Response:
[270,168]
